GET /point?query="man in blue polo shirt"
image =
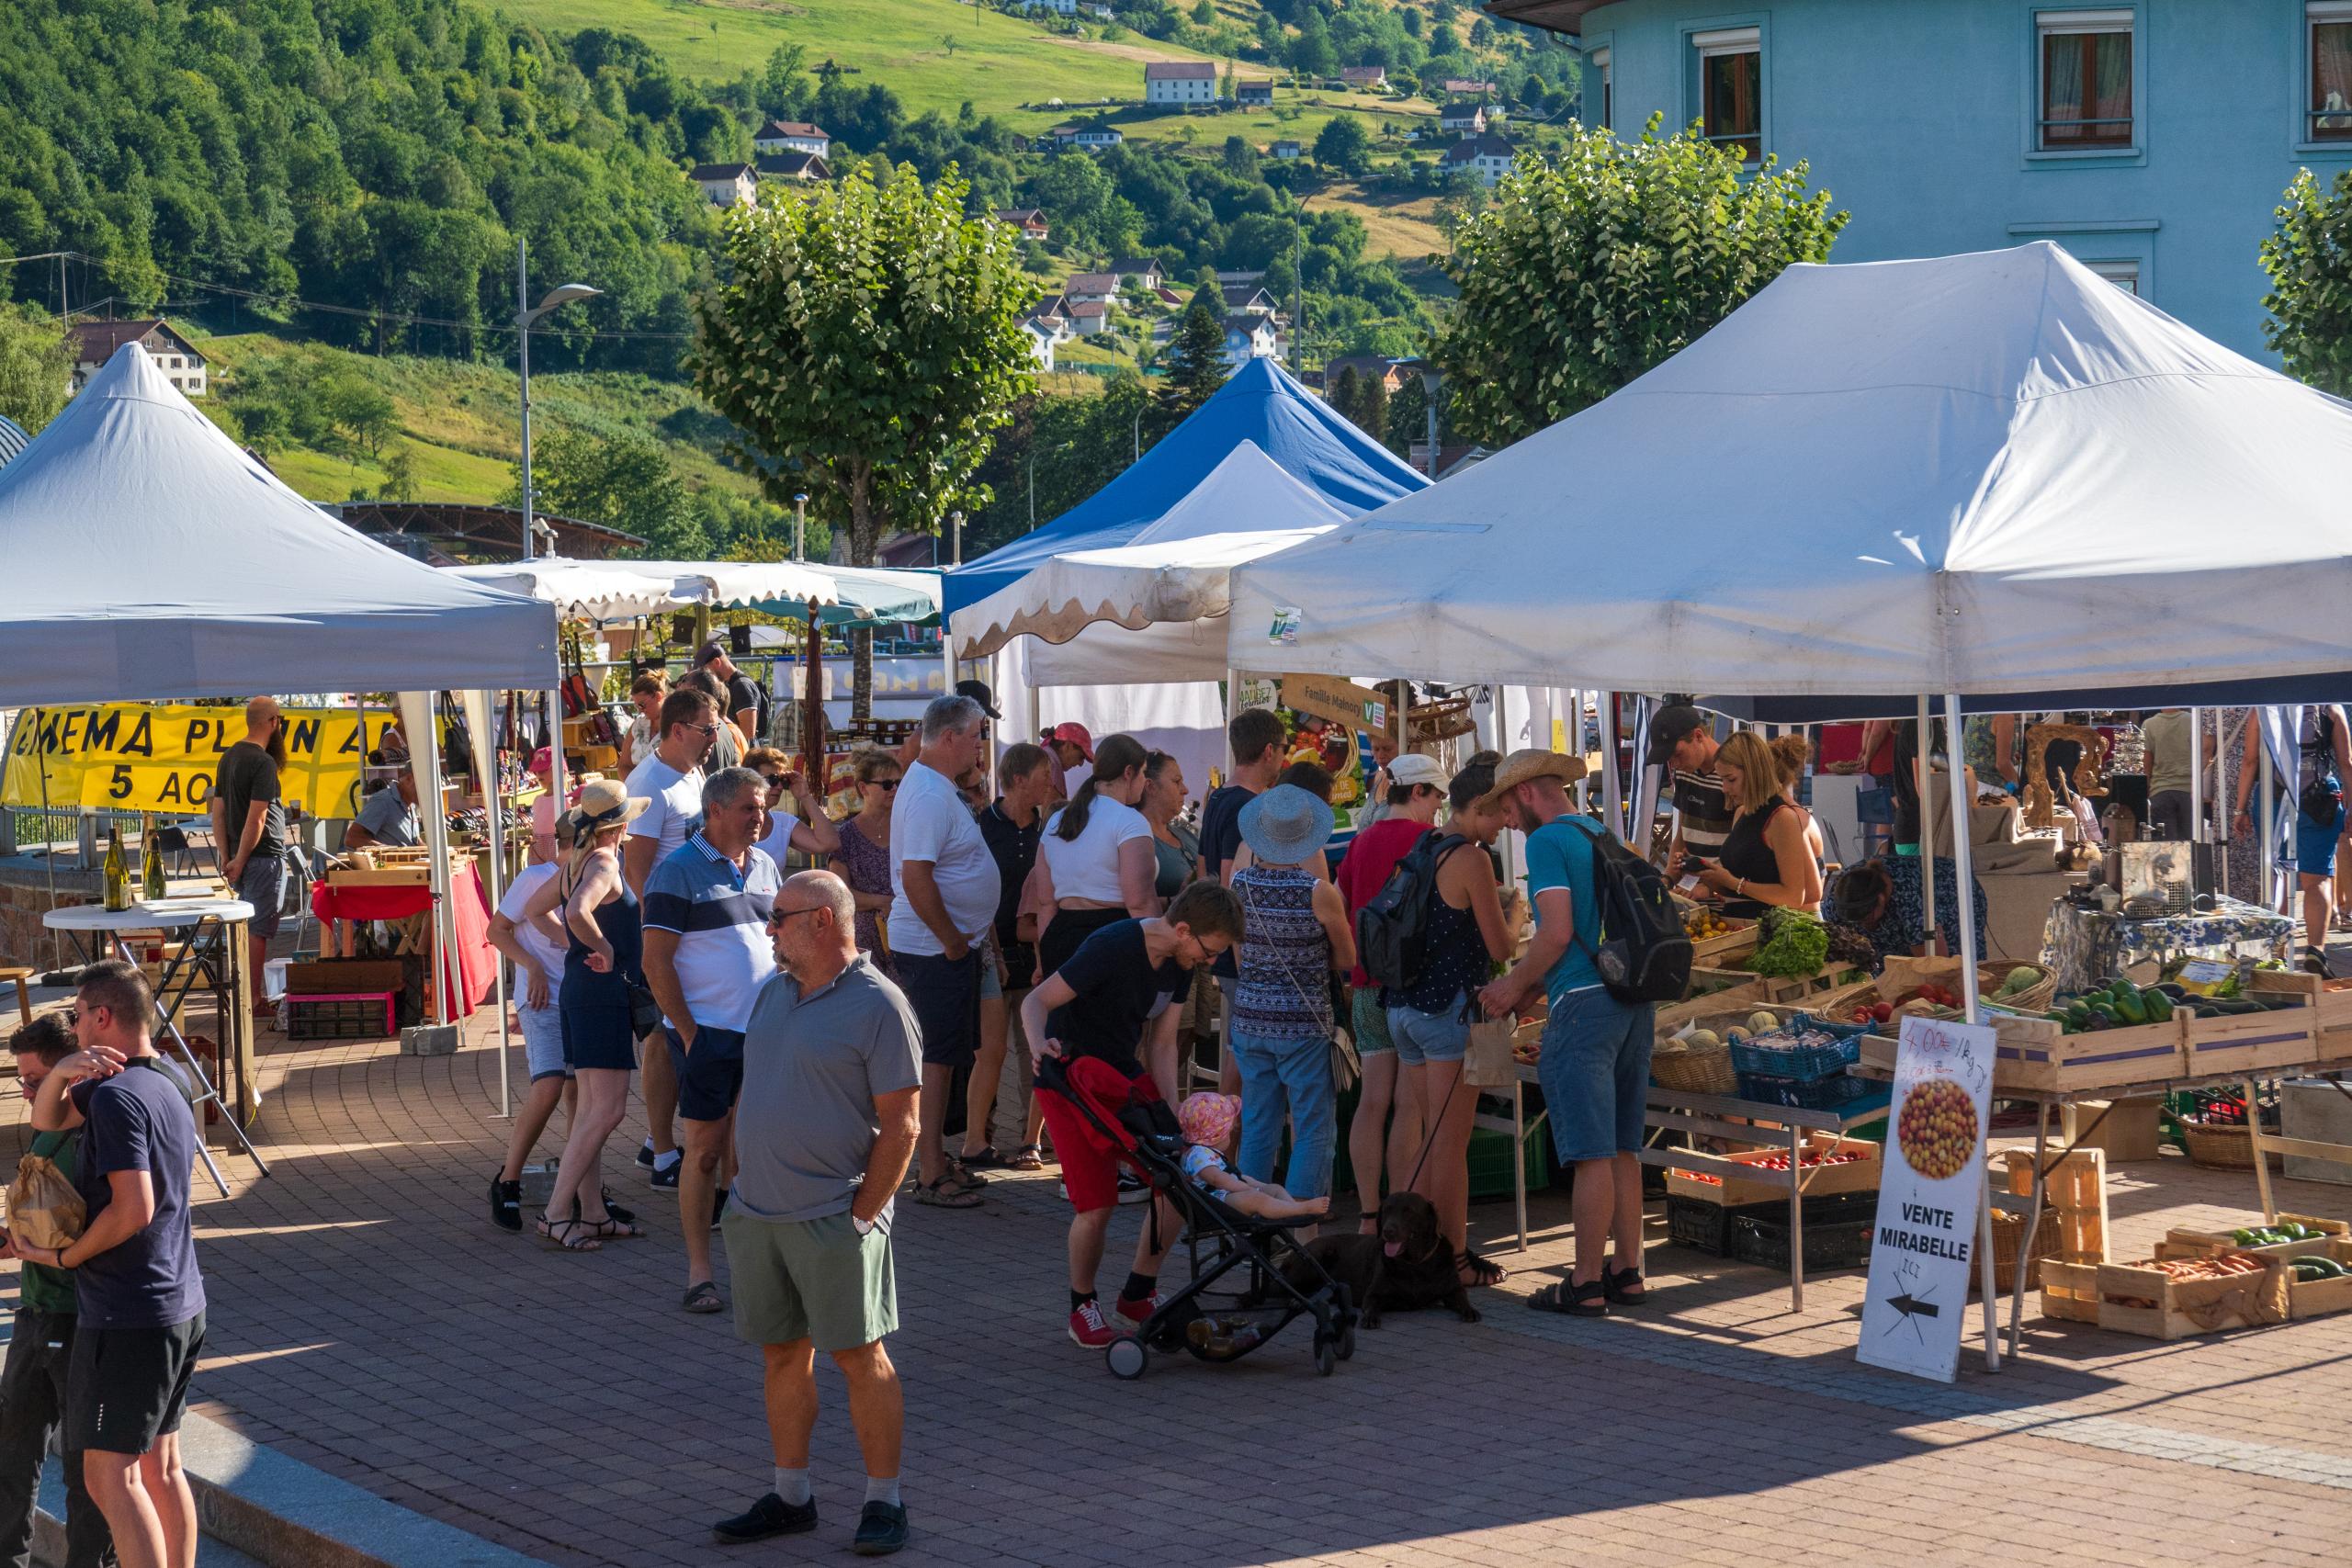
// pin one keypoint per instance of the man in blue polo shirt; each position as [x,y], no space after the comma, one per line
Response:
[706,955]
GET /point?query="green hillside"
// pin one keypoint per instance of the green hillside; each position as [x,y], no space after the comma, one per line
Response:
[998,62]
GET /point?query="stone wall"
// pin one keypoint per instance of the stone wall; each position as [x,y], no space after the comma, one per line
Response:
[24,898]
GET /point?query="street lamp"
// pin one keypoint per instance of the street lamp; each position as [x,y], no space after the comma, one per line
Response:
[800,525]
[1032,481]
[955,521]
[523,316]
[1429,382]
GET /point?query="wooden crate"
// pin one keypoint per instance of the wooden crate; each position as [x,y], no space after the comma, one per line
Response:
[1799,989]
[2319,1298]
[1857,1176]
[2185,1241]
[2035,1053]
[1736,942]
[2180,1309]
[2069,1290]
[2074,1199]
[381,876]
[2256,1042]
[2335,1019]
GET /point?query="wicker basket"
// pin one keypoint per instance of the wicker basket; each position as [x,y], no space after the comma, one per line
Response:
[1707,1070]
[2224,1148]
[2035,997]
[2006,1229]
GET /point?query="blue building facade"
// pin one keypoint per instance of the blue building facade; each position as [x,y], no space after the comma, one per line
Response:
[2151,139]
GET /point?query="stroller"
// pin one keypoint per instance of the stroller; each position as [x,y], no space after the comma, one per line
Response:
[1150,1142]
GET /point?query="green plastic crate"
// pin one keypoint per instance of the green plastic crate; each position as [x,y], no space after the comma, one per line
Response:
[1490,1162]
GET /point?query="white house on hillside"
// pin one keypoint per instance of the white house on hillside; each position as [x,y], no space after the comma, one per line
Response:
[1060,7]
[95,342]
[1180,82]
[1090,287]
[1250,337]
[1254,94]
[792,136]
[1488,157]
[726,184]
[1094,138]
[1464,119]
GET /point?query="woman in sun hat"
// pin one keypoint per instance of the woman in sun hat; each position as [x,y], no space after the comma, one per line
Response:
[600,974]
[1295,934]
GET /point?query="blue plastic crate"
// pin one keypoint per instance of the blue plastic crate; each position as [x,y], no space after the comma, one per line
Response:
[1831,1093]
[1810,1063]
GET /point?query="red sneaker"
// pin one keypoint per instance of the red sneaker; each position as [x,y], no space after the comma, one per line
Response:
[1135,1312]
[1088,1329]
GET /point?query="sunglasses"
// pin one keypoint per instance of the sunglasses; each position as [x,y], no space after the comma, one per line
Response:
[777,917]
[882,783]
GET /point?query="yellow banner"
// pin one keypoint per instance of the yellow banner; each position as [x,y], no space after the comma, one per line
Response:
[163,756]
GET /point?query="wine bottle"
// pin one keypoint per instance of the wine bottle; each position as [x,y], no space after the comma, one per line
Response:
[151,862]
[117,873]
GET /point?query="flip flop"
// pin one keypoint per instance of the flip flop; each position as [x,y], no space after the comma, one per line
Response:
[1028,1156]
[702,1298]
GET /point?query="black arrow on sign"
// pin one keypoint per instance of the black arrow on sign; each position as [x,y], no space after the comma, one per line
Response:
[1912,1307]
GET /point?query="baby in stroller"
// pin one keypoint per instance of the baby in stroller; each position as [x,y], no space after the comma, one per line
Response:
[1212,1125]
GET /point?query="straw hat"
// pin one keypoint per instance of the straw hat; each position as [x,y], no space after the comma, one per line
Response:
[1285,825]
[1528,764]
[604,803]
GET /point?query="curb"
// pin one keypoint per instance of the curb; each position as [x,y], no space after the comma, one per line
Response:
[286,1514]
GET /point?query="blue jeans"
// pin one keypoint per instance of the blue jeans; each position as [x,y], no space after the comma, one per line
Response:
[1287,1080]
[1596,1074]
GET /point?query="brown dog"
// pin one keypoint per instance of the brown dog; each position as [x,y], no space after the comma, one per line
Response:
[1408,1267]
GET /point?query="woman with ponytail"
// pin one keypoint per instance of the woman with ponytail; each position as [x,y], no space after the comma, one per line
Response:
[1095,862]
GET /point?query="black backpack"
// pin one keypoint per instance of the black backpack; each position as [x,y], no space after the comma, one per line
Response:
[1640,950]
[1392,929]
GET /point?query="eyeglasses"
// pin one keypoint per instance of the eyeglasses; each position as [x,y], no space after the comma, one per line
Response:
[777,917]
[705,728]
[883,783]
[774,781]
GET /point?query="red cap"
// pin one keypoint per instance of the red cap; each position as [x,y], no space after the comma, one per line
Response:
[1077,736]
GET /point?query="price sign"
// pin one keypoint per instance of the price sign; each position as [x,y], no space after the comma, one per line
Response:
[1923,1242]
[1343,702]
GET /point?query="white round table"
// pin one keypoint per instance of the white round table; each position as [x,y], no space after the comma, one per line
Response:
[195,911]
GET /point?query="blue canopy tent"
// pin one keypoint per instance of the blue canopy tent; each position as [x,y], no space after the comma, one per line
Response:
[1261,403]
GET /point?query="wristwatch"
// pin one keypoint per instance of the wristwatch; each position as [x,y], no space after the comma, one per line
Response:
[863,1228]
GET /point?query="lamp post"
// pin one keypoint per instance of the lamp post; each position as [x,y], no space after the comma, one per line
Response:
[1430,380]
[525,315]
[800,525]
[955,521]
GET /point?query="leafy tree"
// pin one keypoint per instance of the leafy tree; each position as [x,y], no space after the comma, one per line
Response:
[2310,262]
[400,474]
[868,343]
[1195,357]
[1591,268]
[36,367]
[1344,392]
[1241,158]
[1311,53]
[623,482]
[357,410]
[1344,145]
[1372,407]
[1205,13]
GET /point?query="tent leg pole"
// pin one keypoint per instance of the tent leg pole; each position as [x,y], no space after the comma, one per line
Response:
[1963,876]
[1612,791]
[2270,824]
[1232,708]
[494,810]
[2196,781]
[1920,754]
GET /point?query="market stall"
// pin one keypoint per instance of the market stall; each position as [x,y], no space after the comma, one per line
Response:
[1994,479]
[149,555]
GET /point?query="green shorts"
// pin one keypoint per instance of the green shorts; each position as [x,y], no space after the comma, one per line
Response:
[814,1279]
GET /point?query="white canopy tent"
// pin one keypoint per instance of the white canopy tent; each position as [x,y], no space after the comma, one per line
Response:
[149,555]
[1981,474]
[586,589]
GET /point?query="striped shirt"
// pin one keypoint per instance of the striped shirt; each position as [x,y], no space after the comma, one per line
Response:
[720,914]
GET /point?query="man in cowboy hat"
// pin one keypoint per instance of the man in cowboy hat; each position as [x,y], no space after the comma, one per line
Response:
[1596,1063]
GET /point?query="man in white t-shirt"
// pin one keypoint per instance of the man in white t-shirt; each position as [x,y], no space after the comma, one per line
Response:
[944,885]
[537,948]
[672,780]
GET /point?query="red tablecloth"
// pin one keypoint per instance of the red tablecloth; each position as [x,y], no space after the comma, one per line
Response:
[477,966]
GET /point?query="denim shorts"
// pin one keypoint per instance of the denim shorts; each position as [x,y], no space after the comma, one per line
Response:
[1595,1071]
[991,988]
[543,1043]
[1429,1037]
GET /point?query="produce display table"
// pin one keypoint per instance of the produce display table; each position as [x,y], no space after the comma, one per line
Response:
[2337,1046]
[1705,1115]
[2084,945]
[214,953]
[476,965]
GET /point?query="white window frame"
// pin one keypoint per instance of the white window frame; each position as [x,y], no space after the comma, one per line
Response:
[2121,271]
[1724,43]
[2083,22]
[2316,15]
[1599,61]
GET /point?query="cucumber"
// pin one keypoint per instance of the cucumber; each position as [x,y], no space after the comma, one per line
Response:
[2328,1267]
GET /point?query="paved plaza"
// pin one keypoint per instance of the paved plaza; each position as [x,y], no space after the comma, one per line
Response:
[366,1319]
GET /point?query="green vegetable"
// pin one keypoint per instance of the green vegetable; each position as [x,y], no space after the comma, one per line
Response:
[1793,943]
[2019,979]
[2129,1008]
[2159,1006]
[2328,1267]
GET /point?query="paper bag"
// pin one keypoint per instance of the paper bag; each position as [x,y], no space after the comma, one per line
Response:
[44,1211]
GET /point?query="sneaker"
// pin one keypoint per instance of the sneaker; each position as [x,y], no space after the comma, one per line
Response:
[507,1204]
[667,1175]
[771,1515]
[1087,1328]
[1132,1188]
[645,1154]
[881,1530]
[1137,1311]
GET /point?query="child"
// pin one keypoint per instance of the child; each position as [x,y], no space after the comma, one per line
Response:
[1212,1124]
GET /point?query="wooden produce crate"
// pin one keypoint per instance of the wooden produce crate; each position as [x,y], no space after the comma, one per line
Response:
[2319,1298]
[342,976]
[2253,1043]
[2072,1228]
[2035,1053]
[2069,1290]
[2178,1309]
[379,876]
[2185,1241]
[1798,990]
[2335,1019]
[1856,1176]
[1715,951]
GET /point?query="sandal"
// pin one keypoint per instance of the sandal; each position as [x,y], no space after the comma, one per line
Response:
[969,1180]
[612,1228]
[702,1298]
[944,1193]
[1624,1287]
[1028,1156]
[986,1159]
[1587,1300]
[611,1211]
[1480,1271]
[565,1234]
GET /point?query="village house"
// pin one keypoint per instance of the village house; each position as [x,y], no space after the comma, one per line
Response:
[726,184]
[1180,82]
[95,342]
[792,136]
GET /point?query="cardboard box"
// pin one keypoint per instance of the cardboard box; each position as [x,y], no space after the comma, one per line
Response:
[2128,1130]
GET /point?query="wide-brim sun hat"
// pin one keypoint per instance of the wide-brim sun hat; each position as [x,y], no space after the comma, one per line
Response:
[1528,764]
[605,803]
[1285,825]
